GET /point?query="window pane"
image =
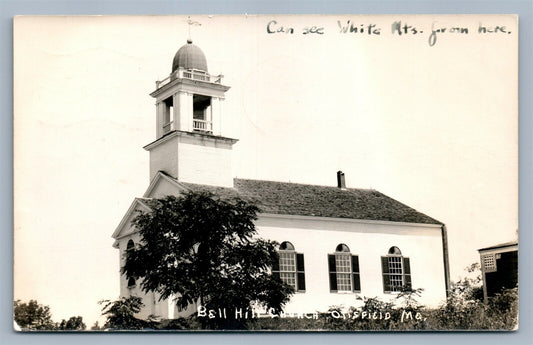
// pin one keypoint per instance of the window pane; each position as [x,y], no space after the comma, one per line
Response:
[344,282]
[287,262]
[344,272]
[287,268]
[288,278]
[395,272]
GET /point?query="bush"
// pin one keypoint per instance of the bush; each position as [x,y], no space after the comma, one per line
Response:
[182,323]
[462,310]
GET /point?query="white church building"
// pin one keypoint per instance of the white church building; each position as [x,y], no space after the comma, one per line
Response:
[336,242]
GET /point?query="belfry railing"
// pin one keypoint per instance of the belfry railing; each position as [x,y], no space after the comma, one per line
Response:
[192,74]
[202,125]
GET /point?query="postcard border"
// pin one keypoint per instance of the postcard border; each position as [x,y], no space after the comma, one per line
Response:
[522,8]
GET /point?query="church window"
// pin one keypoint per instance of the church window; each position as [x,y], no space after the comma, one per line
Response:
[131,283]
[396,271]
[343,270]
[290,267]
[129,246]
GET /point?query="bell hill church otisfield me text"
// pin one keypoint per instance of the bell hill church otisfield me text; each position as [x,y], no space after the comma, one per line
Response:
[335,242]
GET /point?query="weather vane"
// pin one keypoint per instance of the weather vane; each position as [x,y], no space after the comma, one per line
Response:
[191,23]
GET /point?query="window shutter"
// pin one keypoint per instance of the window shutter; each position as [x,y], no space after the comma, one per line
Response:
[355,271]
[300,271]
[332,273]
[275,268]
[407,273]
[385,270]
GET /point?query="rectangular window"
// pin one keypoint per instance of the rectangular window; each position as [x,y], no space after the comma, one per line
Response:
[396,273]
[395,270]
[287,268]
[290,269]
[344,272]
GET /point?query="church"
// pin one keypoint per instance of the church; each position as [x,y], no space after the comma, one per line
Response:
[336,243]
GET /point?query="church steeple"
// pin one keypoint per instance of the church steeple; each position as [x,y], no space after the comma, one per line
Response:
[189,109]
[189,99]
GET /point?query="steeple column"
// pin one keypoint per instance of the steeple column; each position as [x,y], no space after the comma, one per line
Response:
[161,119]
[183,105]
[216,115]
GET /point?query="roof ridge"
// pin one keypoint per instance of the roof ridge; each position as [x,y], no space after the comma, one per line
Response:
[304,184]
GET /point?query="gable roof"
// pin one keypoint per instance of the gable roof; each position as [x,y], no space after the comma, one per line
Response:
[321,201]
[142,203]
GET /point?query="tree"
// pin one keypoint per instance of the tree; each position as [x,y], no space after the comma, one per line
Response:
[32,315]
[199,248]
[121,313]
[95,326]
[75,323]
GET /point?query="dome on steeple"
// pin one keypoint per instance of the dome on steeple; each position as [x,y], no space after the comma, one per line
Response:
[189,56]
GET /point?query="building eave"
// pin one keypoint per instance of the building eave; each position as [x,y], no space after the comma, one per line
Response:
[177,133]
[134,204]
[162,175]
[189,82]
[500,247]
[347,220]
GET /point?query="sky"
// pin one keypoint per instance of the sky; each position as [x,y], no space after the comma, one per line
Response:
[433,126]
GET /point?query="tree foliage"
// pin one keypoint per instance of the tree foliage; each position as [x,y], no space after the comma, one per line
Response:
[75,323]
[96,326]
[120,314]
[32,315]
[200,248]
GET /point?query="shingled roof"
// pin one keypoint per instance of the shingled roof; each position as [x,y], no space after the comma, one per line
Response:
[320,201]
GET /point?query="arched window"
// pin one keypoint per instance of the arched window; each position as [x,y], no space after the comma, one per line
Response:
[395,251]
[290,268]
[343,270]
[396,271]
[131,283]
[129,246]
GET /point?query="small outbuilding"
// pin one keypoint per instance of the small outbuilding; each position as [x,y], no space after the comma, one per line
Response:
[499,267]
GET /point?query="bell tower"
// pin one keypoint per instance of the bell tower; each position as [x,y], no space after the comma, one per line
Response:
[189,144]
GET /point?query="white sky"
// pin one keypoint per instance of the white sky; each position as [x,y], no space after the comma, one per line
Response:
[433,127]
